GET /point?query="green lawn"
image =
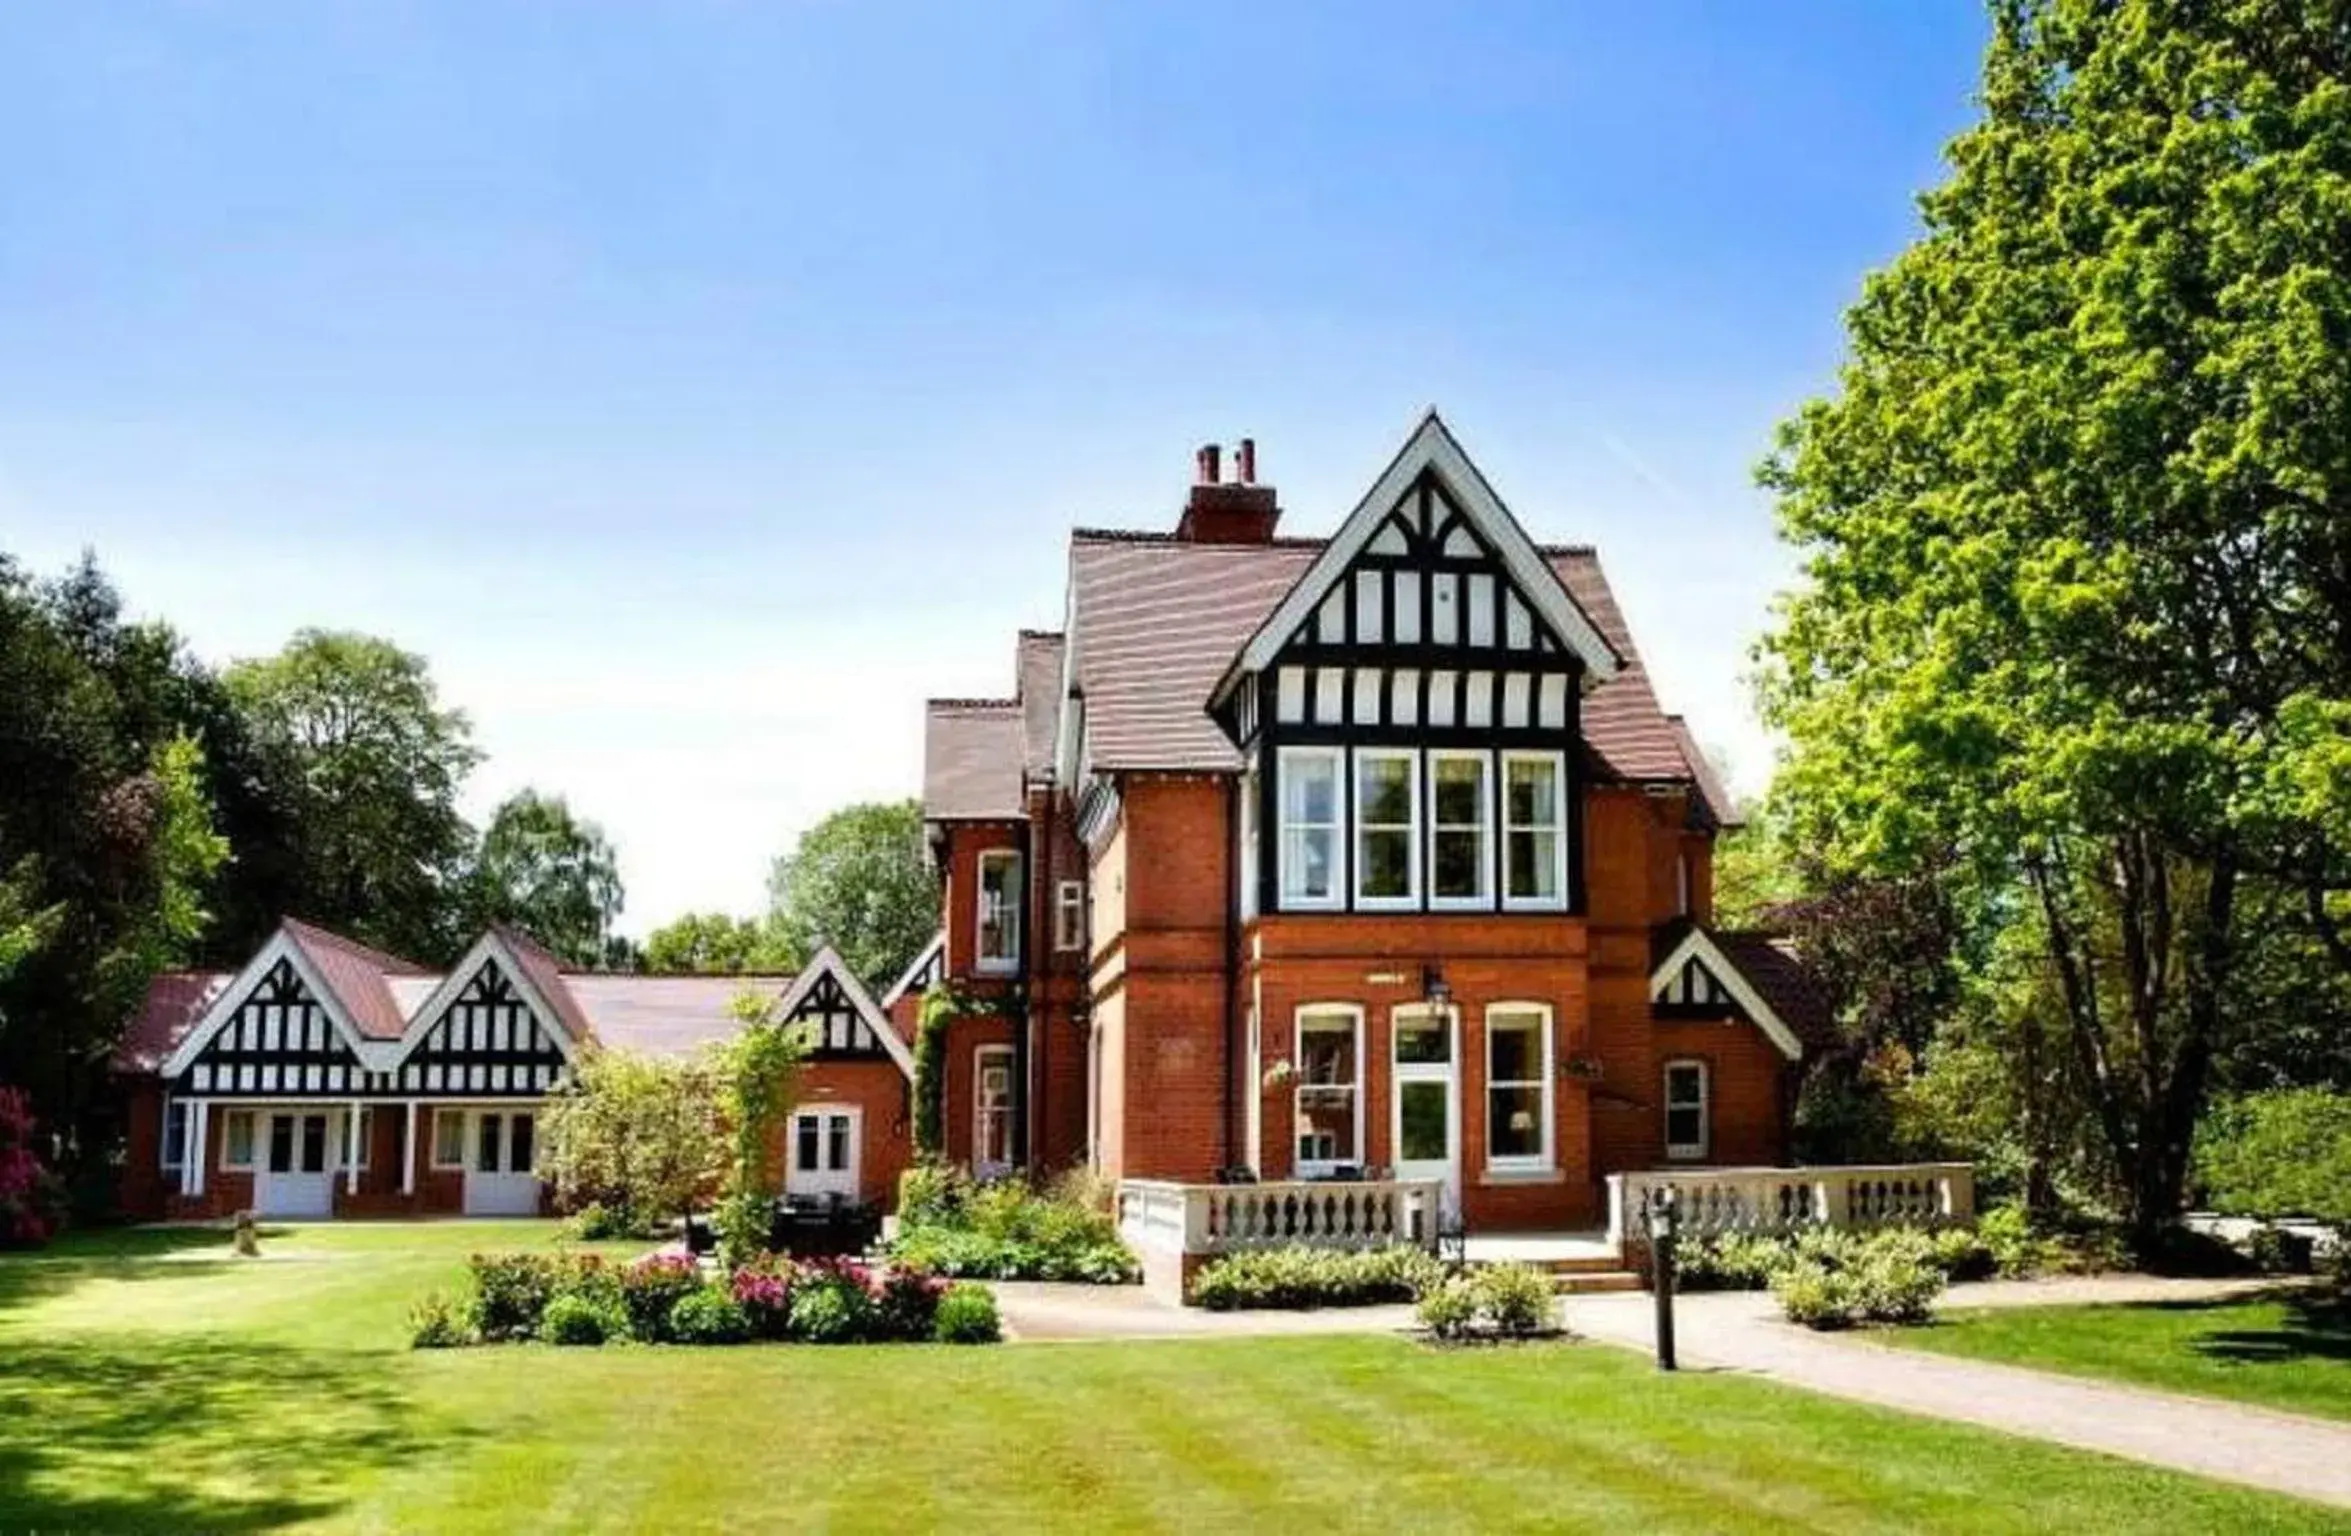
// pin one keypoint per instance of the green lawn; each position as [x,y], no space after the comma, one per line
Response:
[151,1380]
[2269,1351]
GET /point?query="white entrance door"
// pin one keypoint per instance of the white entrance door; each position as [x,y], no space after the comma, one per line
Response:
[824,1154]
[1426,1127]
[500,1144]
[991,1111]
[296,1172]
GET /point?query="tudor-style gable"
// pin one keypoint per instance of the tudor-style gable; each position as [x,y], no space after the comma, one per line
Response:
[1698,974]
[487,1038]
[1409,712]
[840,1019]
[273,1037]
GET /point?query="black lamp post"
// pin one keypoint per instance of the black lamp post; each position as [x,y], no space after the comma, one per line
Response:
[1661,1243]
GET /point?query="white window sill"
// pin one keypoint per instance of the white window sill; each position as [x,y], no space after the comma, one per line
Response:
[995,967]
[1495,1176]
[1386,904]
[1533,904]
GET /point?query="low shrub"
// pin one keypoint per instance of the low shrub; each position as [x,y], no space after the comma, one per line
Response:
[575,1317]
[510,1291]
[832,1303]
[2276,1251]
[2017,1251]
[967,1315]
[708,1315]
[1838,1280]
[652,1287]
[597,1222]
[1314,1277]
[906,1304]
[1449,1309]
[438,1322]
[1514,1300]
[1007,1231]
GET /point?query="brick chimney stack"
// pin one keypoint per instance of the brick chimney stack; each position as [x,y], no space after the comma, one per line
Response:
[1221,511]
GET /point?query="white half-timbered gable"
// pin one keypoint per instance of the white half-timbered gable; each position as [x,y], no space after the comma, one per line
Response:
[1409,711]
[490,1039]
[275,1039]
[840,1019]
[926,971]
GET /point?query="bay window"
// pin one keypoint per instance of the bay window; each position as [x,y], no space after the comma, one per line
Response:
[1518,1086]
[1534,829]
[1686,1109]
[1310,826]
[1329,1099]
[1387,853]
[1460,834]
[999,910]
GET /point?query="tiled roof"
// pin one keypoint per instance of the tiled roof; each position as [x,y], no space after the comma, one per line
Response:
[175,1001]
[972,754]
[1719,804]
[1771,965]
[1039,670]
[1158,620]
[665,1015]
[357,976]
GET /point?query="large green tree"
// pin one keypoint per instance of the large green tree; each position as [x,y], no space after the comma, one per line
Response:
[2077,536]
[551,873]
[375,760]
[859,881]
[713,943]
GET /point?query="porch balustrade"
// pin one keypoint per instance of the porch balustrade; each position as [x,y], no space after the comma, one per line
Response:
[1165,1217]
[1765,1200]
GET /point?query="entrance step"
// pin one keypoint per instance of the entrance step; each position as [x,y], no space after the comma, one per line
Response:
[1594,1282]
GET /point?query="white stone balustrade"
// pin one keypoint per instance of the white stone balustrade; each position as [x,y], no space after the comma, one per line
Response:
[1158,1216]
[1713,1200]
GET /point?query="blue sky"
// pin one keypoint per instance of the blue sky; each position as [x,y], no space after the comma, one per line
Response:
[700,387]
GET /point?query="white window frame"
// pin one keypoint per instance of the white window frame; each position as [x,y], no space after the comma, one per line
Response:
[981,960]
[1681,884]
[1544,1160]
[1483,899]
[228,1140]
[1306,1168]
[364,1136]
[1561,853]
[1412,828]
[464,1120]
[1069,916]
[1687,1151]
[172,1151]
[1294,899]
[1249,850]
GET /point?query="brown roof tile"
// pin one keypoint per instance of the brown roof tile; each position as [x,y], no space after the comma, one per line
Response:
[665,1015]
[546,973]
[972,753]
[357,976]
[1719,804]
[175,1001]
[1039,671]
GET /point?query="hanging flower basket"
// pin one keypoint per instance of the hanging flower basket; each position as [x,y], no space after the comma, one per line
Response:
[1279,1073]
[1581,1069]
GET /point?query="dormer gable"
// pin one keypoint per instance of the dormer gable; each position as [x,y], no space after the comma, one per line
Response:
[839,1019]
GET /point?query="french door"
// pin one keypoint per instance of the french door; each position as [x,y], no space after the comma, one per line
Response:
[499,1178]
[991,1116]
[1425,1126]
[297,1172]
[824,1153]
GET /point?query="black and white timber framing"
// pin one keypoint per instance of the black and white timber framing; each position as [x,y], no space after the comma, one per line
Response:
[835,1030]
[1425,639]
[488,1042]
[1694,992]
[279,1041]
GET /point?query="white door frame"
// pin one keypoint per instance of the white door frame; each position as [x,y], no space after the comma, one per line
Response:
[820,1182]
[269,1185]
[981,1056]
[1448,1072]
[501,1191]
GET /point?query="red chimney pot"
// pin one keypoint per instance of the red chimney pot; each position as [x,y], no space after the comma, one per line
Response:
[1245,461]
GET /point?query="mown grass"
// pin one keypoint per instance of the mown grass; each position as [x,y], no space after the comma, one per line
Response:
[2278,1351]
[150,1380]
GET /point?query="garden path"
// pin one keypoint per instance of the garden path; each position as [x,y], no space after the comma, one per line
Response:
[1742,1331]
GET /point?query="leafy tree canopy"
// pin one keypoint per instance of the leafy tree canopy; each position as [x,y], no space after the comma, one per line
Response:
[376,763]
[859,881]
[2077,533]
[713,943]
[550,873]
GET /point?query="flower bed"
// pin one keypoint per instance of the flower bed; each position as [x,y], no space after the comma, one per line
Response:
[947,1225]
[664,1298]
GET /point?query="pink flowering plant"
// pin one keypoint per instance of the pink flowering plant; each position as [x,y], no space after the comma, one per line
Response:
[763,1289]
[651,1287]
[28,1192]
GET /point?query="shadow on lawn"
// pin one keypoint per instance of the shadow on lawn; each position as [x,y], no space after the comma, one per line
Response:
[2316,1328]
[201,1434]
[134,1253]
